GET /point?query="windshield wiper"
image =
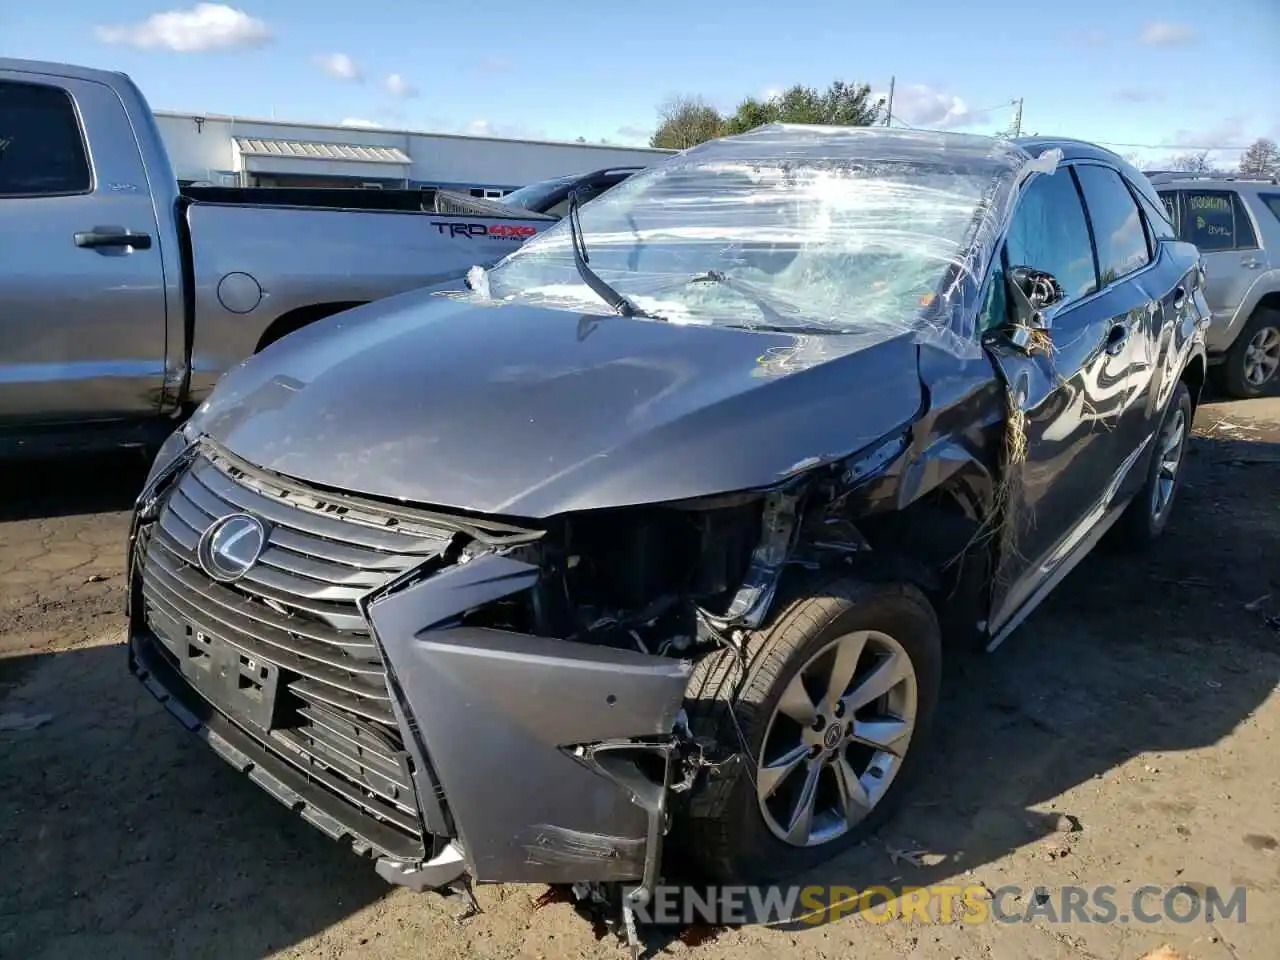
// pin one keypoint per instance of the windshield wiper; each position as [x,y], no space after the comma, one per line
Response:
[620,304]
[771,315]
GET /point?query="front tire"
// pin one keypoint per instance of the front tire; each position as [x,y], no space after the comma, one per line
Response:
[831,715]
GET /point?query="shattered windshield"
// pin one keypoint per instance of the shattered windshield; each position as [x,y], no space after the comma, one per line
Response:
[826,237]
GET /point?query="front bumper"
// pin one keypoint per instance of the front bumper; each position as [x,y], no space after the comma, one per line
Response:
[508,757]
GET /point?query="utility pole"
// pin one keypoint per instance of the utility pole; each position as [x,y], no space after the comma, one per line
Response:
[888,111]
[1017,118]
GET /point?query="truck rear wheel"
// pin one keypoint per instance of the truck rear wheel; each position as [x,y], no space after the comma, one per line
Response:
[1253,362]
[830,714]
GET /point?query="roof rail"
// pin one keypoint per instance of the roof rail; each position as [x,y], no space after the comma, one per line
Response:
[1164,176]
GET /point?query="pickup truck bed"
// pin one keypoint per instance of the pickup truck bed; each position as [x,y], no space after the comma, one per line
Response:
[125,298]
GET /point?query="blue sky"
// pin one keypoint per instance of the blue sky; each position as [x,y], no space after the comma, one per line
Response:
[1174,74]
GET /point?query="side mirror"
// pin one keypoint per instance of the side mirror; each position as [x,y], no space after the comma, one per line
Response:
[1034,297]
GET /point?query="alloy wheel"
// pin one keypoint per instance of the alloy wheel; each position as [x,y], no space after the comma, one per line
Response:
[1169,450]
[1262,356]
[837,738]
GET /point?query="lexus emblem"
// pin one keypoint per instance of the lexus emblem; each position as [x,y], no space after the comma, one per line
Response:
[230,547]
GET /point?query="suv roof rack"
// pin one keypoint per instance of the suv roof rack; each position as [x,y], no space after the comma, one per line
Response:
[1164,176]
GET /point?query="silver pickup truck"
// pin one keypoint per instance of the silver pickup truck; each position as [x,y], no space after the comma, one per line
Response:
[123,298]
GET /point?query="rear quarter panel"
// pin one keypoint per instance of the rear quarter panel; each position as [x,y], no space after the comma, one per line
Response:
[253,265]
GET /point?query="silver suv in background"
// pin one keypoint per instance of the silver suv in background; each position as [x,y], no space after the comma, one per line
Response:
[1236,224]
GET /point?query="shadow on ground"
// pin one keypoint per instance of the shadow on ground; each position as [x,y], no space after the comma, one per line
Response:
[70,486]
[1155,652]
[133,839]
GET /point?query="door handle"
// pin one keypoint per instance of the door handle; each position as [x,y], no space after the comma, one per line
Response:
[1179,297]
[1116,338]
[1251,263]
[112,237]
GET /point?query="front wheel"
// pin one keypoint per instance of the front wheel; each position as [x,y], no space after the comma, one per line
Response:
[830,714]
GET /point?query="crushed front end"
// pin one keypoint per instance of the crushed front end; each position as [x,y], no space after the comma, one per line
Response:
[456,697]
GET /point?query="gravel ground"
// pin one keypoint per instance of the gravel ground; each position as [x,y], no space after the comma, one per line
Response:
[1127,734]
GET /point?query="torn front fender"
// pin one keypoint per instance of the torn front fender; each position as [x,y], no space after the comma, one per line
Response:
[517,728]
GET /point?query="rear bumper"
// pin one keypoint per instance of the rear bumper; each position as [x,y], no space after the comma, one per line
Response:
[533,759]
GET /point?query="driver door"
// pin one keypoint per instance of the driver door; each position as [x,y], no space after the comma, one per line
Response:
[1073,398]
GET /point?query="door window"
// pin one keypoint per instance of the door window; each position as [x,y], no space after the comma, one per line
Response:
[1048,232]
[42,150]
[1216,220]
[1118,232]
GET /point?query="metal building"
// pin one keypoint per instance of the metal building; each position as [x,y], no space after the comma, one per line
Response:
[236,151]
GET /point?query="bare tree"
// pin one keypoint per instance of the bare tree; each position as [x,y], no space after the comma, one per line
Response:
[1262,159]
[685,122]
[1192,162]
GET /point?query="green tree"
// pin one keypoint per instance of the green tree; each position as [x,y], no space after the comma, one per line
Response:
[841,104]
[685,122]
[752,113]
[850,105]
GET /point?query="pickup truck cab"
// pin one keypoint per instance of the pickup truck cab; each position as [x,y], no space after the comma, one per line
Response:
[124,298]
[552,196]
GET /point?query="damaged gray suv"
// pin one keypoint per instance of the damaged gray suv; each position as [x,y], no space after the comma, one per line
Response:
[645,544]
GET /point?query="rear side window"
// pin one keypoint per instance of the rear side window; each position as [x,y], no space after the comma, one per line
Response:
[1272,200]
[1159,218]
[1118,232]
[42,150]
[1170,201]
[1216,220]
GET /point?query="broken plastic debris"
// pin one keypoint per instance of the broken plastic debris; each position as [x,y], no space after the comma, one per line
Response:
[1258,604]
[478,281]
[22,721]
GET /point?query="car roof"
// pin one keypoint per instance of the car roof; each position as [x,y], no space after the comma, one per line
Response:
[1071,149]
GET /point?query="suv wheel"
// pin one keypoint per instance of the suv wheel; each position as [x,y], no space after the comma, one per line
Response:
[830,715]
[1146,517]
[1254,359]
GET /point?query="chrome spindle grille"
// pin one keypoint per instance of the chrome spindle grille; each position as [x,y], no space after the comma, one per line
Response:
[303,651]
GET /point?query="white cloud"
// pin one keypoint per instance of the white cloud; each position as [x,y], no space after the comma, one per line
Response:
[771,93]
[1161,34]
[358,122]
[496,65]
[633,132]
[1230,131]
[513,131]
[340,66]
[206,26]
[398,86]
[923,106]
[1138,95]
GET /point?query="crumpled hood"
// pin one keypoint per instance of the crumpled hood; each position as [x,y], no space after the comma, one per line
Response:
[523,411]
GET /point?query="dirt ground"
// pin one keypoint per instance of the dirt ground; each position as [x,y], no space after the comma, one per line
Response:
[1127,734]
